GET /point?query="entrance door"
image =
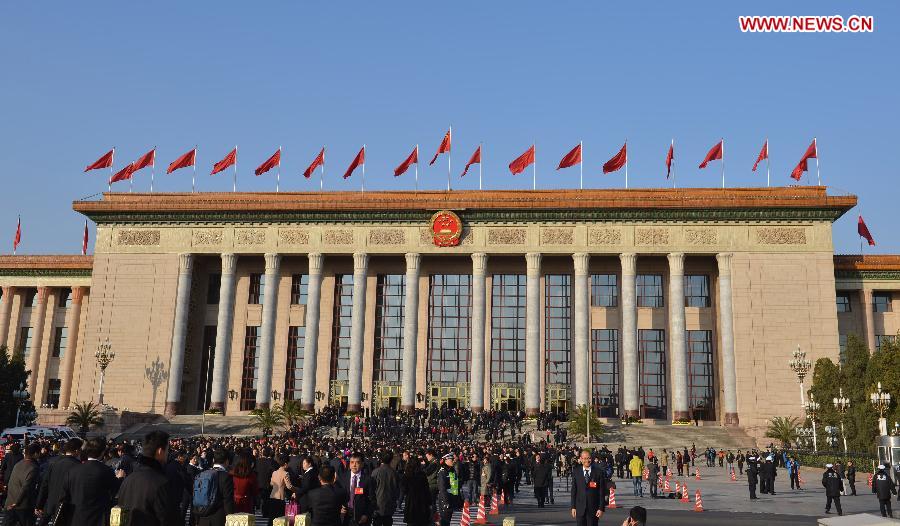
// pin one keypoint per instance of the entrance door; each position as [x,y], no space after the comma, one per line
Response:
[451,396]
[557,398]
[507,397]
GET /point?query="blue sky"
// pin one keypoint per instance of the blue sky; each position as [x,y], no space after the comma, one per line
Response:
[80,78]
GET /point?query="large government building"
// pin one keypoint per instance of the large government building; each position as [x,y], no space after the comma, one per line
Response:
[664,304]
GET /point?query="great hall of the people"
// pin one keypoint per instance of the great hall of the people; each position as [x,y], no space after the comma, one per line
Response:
[663,304]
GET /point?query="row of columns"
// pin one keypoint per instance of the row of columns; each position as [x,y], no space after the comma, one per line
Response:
[533,364]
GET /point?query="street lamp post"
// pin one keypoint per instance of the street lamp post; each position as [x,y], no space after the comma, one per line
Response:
[20,395]
[801,366]
[812,412]
[104,356]
[842,404]
[882,401]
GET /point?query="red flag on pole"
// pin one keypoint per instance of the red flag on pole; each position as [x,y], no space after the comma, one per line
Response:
[404,166]
[443,148]
[360,159]
[18,238]
[811,153]
[863,231]
[227,161]
[317,162]
[184,161]
[123,175]
[269,163]
[523,161]
[714,154]
[148,159]
[105,161]
[475,159]
[571,159]
[618,160]
[84,240]
[763,155]
[669,157]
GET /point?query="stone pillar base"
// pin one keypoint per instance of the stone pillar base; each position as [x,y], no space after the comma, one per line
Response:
[217,406]
[731,420]
[408,408]
[308,407]
[354,408]
[681,415]
[632,413]
[171,408]
[262,405]
[477,409]
[532,411]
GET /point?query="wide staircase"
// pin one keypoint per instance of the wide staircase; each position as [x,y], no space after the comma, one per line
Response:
[189,425]
[670,437]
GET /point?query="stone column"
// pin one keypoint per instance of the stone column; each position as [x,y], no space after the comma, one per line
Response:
[533,365]
[357,332]
[38,313]
[677,342]
[476,381]
[630,371]
[726,327]
[311,338]
[5,309]
[267,331]
[224,330]
[865,304]
[73,322]
[179,332]
[410,333]
[582,294]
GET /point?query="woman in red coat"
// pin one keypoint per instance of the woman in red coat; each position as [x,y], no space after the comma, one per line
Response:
[245,484]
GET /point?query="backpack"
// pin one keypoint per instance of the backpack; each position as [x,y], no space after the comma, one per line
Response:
[206,493]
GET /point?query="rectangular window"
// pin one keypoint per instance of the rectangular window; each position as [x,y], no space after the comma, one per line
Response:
[207,362]
[25,334]
[508,328]
[293,377]
[701,386]
[881,302]
[649,290]
[257,283]
[250,369]
[558,328]
[881,339]
[652,353]
[389,301]
[65,298]
[842,348]
[213,287]
[340,328]
[449,327]
[696,291]
[29,297]
[605,371]
[54,387]
[604,290]
[60,341]
[299,284]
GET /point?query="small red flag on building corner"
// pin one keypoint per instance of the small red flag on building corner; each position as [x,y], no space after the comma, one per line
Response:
[763,155]
[523,161]
[106,161]
[802,166]
[863,231]
[18,237]
[188,159]
[669,157]
[317,162]
[358,161]
[123,175]
[84,240]
[571,159]
[714,154]
[618,160]
[404,166]
[227,161]
[443,148]
[269,163]
[475,159]
[148,159]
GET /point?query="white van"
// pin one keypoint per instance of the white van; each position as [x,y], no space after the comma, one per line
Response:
[18,434]
[65,432]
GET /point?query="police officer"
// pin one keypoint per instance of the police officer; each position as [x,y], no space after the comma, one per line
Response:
[831,481]
[751,475]
[882,487]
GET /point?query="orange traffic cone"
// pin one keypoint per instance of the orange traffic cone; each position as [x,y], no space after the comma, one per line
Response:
[659,480]
[697,474]
[868,479]
[495,506]
[646,474]
[801,481]
[677,487]
[684,494]
[481,518]
[612,499]
[698,502]
[466,519]
[666,487]
[733,476]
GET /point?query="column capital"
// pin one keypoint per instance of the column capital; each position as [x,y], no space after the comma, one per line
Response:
[629,262]
[78,294]
[185,263]
[676,262]
[479,262]
[229,262]
[533,262]
[360,261]
[582,262]
[7,290]
[413,259]
[316,260]
[724,260]
[42,293]
[272,262]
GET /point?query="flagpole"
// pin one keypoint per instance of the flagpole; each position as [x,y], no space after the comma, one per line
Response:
[112,162]
[534,166]
[417,167]
[480,162]
[153,170]
[19,229]
[673,162]
[626,164]
[449,149]
[723,162]
[83,244]
[363,187]
[818,177]
[194,175]
[278,172]
[581,166]
[322,173]
[768,179]
[234,178]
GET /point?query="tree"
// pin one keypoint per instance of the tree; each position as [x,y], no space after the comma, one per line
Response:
[784,430]
[84,416]
[12,376]
[267,419]
[291,411]
[578,423]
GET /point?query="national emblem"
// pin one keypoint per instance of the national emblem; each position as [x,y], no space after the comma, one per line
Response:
[446,228]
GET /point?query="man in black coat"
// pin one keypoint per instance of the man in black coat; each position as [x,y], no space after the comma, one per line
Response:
[12,456]
[541,479]
[265,466]
[752,475]
[831,481]
[89,489]
[225,489]
[326,503]
[51,489]
[309,480]
[145,493]
[181,483]
[359,495]
[21,492]
[883,487]
[588,492]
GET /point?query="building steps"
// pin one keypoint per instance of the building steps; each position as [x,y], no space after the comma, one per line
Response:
[671,437]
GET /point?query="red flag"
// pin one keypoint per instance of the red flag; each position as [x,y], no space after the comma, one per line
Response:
[357,161]
[18,238]
[317,162]
[404,166]
[863,231]
[811,153]
[669,157]
[84,240]
[188,159]
[715,153]
[523,161]
[572,158]
[618,160]
[476,158]
[105,161]
[227,161]
[123,175]
[763,154]
[269,163]
[148,159]
[443,148]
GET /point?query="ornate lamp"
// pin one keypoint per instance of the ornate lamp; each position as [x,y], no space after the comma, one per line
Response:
[812,412]
[882,401]
[104,357]
[801,366]
[842,404]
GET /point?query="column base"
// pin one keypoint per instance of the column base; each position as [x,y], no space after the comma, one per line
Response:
[681,416]
[634,413]
[532,411]
[731,420]
[171,408]
[477,409]
[408,408]
[262,405]
[217,406]
[354,408]
[308,407]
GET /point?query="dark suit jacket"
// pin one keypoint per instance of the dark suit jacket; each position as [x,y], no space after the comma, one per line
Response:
[90,488]
[51,490]
[325,504]
[363,497]
[587,499]
[541,475]
[226,500]
[308,482]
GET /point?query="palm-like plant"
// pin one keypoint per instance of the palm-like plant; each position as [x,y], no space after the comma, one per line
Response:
[292,412]
[784,430]
[267,419]
[85,416]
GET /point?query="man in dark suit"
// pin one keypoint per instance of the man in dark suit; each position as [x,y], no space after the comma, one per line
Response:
[360,499]
[265,466]
[225,488]
[542,479]
[309,480]
[588,491]
[51,489]
[88,489]
[326,503]
[21,494]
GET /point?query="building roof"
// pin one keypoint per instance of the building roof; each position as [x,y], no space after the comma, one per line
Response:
[46,265]
[887,262]
[794,202]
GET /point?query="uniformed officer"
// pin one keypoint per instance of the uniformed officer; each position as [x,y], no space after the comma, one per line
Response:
[751,475]
[831,481]
[882,487]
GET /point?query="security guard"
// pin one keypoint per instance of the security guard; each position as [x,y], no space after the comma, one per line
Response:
[882,487]
[752,475]
[831,481]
